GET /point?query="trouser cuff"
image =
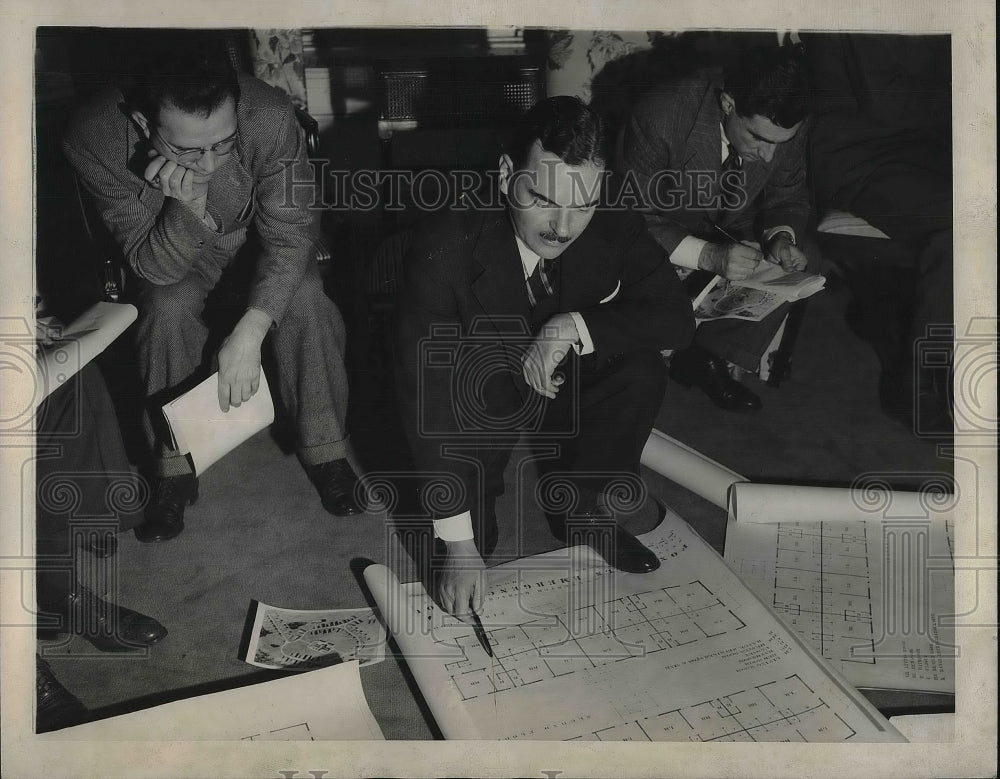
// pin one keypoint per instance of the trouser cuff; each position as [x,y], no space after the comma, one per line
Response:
[324,453]
[173,464]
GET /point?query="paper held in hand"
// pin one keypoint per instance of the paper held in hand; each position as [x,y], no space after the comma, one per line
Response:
[206,432]
[755,297]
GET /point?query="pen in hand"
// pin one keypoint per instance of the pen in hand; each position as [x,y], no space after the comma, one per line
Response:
[749,245]
[477,626]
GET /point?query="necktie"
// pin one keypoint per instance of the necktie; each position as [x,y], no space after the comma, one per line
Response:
[733,161]
[539,282]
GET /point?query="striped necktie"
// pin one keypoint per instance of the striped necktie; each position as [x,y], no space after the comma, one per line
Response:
[539,282]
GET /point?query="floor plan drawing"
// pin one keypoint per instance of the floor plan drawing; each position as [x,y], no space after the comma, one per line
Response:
[784,710]
[632,626]
[581,651]
[871,597]
[822,587]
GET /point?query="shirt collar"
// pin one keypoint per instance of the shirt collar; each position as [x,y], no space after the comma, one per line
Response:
[529,260]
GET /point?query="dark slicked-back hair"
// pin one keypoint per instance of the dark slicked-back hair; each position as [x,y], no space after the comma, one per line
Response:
[188,69]
[770,82]
[566,127]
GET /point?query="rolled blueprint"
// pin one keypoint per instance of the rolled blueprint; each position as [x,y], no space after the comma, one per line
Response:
[770,503]
[81,341]
[415,630]
[689,468]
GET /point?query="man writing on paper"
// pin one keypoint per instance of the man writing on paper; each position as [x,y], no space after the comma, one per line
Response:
[721,163]
[183,164]
[544,318]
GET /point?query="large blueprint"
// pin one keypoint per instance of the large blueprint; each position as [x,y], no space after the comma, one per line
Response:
[686,653]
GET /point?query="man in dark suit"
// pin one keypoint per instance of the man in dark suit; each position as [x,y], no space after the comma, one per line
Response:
[882,149]
[182,165]
[716,160]
[544,318]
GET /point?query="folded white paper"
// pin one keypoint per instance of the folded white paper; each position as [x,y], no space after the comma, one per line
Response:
[206,432]
[81,341]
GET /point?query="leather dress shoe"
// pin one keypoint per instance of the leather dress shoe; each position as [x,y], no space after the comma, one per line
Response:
[338,487]
[694,366]
[101,544]
[57,707]
[165,515]
[619,548]
[108,626]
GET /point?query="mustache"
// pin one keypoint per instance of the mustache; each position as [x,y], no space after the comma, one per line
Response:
[555,237]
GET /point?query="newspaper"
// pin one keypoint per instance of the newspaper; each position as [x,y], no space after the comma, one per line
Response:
[755,297]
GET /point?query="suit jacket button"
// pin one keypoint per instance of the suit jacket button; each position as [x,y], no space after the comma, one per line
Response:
[201,243]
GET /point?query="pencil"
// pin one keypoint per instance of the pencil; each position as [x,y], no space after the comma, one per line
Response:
[477,626]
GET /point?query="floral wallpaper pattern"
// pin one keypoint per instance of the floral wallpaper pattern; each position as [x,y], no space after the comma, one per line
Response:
[576,56]
[277,59]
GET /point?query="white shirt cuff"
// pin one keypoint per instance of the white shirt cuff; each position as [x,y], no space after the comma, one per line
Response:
[586,345]
[687,252]
[772,231]
[458,528]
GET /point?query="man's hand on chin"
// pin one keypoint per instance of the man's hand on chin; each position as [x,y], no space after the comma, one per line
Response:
[178,182]
[547,351]
[239,359]
[174,180]
[461,580]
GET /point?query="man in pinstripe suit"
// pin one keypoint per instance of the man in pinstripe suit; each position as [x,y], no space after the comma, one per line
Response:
[723,163]
[182,165]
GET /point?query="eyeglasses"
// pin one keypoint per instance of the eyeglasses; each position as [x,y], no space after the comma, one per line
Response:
[221,149]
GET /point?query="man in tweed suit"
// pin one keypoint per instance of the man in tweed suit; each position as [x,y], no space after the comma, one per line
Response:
[182,165]
[720,159]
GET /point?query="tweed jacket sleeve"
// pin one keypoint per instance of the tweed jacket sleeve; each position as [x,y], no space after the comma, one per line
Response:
[660,141]
[286,222]
[784,199]
[161,239]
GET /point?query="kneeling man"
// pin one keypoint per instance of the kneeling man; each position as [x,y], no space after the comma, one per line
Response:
[545,319]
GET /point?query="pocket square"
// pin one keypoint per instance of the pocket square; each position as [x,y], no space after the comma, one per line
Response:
[614,292]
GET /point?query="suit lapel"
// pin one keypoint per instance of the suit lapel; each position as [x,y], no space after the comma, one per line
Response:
[498,286]
[498,282]
[705,157]
[587,270]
